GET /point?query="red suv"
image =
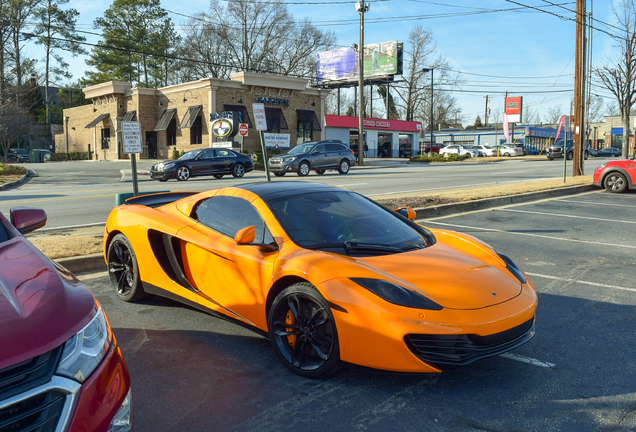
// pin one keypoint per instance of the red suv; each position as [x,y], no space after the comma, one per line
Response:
[60,366]
[616,175]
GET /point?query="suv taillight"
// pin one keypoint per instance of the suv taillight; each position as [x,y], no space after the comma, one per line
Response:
[352,152]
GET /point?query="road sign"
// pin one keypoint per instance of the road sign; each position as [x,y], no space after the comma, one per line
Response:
[243,129]
[259,117]
[131,136]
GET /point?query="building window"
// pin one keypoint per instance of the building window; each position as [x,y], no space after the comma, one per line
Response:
[171,133]
[105,138]
[304,135]
[196,131]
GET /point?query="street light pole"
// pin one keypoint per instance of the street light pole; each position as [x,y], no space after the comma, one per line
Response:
[361,7]
[430,147]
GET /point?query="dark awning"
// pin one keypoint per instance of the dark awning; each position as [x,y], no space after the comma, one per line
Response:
[190,116]
[275,119]
[309,120]
[245,116]
[164,121]
[129,115]
[97,120]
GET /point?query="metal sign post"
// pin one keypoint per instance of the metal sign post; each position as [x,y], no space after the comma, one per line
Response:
[566,129]
[260,121]
[131,134]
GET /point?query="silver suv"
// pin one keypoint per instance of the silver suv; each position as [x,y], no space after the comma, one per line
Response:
[318,156]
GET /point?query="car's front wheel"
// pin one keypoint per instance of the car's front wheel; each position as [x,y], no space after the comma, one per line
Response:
[507,154]
[183,173]
[615,182]
[123,269]
[303,331]
[303,169]
[217,176]
[238,170]
[279,173]
[343,168]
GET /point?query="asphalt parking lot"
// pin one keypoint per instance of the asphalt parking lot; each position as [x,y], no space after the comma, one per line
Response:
[194,372]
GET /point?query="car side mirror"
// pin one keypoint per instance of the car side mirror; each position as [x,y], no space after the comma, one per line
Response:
[245,237]
[315,152]
[27,219]
[407,212]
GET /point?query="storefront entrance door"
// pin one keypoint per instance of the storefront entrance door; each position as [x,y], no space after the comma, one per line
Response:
[151,142]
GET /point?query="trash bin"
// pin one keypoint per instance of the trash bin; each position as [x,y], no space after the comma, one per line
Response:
[36,156]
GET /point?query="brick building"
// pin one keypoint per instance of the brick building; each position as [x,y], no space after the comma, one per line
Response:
[178,116]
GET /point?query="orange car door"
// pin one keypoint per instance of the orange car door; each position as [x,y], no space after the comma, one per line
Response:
[232,279]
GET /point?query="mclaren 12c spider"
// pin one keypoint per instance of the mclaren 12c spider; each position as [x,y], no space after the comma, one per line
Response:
[329,275]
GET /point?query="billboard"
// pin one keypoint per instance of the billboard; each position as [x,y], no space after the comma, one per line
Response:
[514,107]
[380,59]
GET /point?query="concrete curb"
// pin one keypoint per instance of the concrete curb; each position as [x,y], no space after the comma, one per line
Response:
[23,179]
[486,203]
[83,263]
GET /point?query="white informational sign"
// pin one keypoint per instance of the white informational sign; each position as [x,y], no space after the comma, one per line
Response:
[243,129]
[222,144]
[131,136]
[276,141]
[566,124]
[259,117]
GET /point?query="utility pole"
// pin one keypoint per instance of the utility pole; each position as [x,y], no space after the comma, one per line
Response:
[579,100]
[486,113]
[361,7]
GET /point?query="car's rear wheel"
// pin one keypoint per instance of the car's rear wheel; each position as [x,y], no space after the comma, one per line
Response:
[217,176]
[303,331]
[163,180]
[123,269]
[343,168]
[320,171]
[238,170]
[615,182]
[550,158]
[507,154]
[279,174]
[570,155]
[303,169]
[183,173]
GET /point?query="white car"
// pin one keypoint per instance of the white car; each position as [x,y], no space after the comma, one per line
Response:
[485,150]
[459,149]
[507,150]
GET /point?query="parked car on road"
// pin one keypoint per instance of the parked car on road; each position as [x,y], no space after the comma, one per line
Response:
[201,162]
[60,366]
[555,150]
[591,151]
[436,148]
[330,275]
[507,150]
[318,156]
[485,150]
[18,155]
[609,152]
[460,150]
[616,175]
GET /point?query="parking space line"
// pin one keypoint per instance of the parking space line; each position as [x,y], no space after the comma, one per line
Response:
[567,216]
[530,235]
[564,279]
[528,360]
[598,203]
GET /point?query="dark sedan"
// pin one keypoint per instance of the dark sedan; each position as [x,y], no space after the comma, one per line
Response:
[608,152]
[214,162]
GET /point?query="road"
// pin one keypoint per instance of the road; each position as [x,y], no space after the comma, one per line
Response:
[193,372]
[83,192]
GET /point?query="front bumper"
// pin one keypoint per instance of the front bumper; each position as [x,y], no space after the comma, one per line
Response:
[283,166]
[163,175]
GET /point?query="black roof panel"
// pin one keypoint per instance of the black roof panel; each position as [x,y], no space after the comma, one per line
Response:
[277,189]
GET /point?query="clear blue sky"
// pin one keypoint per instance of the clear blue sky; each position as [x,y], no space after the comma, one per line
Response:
[525,45]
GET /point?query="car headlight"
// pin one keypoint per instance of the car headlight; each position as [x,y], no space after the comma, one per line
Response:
[289,159]
[512,267]
[396,294]
[84,351]
[600,167]
[168,165]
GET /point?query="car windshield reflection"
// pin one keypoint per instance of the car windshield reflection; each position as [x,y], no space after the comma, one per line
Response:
[190,155]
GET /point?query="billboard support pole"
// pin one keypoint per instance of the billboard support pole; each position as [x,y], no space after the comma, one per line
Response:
[338,100]
[362,8]
[387,97]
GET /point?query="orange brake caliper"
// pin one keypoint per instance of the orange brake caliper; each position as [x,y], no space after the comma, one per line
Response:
[289,319]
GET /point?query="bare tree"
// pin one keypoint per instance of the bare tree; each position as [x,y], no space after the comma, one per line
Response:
[14,123]
[18,12]
[596,109]
[619,76]
[612,110]
[530,115]
[554,114]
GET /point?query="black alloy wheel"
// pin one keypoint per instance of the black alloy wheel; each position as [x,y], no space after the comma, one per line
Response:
[570,155]
[615,182]
[183,173]
[123,269]
[507,154]
[238,170]
[303,331]
[217,176]
[343,168]
[320,171]
[303,169]
[279,173]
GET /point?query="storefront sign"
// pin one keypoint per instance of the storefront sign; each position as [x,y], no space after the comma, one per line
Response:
[514,106]
[378,123]
[273,101]
[223,128]
[274,141]
[224,114]
[223,144]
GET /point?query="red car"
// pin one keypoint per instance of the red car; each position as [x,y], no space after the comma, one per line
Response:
[60,366]
[616,175]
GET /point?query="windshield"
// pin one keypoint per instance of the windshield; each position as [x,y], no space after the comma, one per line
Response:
[342,221]
[302,148]
[190,155]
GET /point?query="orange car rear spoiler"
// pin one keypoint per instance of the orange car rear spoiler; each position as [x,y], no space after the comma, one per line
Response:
[158,199]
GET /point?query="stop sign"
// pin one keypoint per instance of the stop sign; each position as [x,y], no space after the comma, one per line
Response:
[243,129]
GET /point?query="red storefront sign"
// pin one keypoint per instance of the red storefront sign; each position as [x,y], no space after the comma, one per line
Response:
[352,123]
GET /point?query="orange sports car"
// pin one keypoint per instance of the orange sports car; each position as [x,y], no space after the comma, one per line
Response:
[329,275]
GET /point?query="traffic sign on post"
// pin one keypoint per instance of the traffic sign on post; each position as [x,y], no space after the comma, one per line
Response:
[131,136]
[243,129]
[261,125]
